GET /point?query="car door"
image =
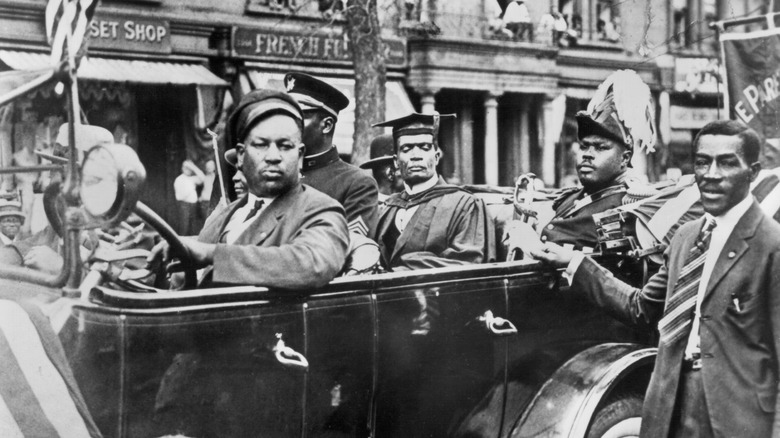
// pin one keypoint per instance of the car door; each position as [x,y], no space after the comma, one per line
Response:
[340,348]
[437,361]
[188,365]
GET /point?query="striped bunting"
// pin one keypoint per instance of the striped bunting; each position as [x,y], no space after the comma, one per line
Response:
[38,394]
[67,19]
[678,315]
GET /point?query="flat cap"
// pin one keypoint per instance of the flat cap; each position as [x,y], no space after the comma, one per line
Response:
[314,93]
[255,106]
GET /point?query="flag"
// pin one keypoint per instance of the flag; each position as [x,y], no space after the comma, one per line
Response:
[64,18]
[39,395]
[752,62]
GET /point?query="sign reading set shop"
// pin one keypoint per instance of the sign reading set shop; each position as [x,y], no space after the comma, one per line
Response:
[130,33]
[265,44]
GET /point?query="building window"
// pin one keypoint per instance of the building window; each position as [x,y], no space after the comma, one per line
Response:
[305,8]
[592,20]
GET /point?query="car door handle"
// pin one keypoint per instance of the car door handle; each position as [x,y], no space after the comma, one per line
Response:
[497,325]
[287,356]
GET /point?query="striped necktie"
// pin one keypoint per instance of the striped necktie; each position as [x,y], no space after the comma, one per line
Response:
[679,311]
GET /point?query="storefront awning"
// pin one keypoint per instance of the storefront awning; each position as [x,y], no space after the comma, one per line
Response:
[397,103]
[120,70]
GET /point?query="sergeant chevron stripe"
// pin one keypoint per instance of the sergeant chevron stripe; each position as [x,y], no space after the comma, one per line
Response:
[679,311]
[358,226]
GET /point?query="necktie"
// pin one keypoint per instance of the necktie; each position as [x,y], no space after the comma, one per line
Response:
[254,210]
[679,311]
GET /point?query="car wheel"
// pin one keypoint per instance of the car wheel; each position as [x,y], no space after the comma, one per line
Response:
[621,417]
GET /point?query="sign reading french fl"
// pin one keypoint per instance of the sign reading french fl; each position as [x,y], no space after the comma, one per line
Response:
[264,44]
[135,34]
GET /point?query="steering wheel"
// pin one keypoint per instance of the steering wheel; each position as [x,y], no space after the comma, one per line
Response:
[174,240]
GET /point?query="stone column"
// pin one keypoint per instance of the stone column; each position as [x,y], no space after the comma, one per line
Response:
[464,159]
[491,138]
[525,139]
[547,142]
[428,102]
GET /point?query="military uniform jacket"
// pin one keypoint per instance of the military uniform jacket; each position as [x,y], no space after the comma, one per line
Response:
[450,227]
[739,343]
[347,184]
[299,241]
[573,223]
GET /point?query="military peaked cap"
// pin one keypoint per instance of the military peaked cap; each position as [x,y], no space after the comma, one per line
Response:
[313,93]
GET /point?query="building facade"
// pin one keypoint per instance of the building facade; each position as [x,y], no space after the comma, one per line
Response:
[159,72]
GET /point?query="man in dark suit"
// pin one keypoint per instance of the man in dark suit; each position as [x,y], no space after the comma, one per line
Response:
[323,169]
[283,234]
[716,302]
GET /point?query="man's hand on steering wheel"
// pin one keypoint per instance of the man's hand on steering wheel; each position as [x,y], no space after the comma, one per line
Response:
[201,254]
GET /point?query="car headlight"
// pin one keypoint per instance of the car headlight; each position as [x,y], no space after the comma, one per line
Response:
[112,177]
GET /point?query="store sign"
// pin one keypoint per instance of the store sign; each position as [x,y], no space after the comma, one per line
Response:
[685,117]
[696,75]
[128,33]
[265,44]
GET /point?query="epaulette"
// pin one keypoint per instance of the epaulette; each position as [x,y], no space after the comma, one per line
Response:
[637,191]
[562,195]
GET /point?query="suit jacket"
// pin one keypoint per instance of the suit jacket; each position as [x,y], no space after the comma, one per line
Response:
[450,227]
[299,241]
[738,345]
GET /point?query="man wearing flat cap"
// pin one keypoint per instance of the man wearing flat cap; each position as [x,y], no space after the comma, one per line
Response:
[283,234]
[323,169]
[11,221]
[431,223]
[382,167]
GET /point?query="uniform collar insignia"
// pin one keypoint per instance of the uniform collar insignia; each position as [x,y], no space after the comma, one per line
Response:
[320,160]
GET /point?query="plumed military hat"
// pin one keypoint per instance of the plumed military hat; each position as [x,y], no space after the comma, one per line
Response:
[255,106]
[416,123]
[313,93]
[621,110]
[381,152]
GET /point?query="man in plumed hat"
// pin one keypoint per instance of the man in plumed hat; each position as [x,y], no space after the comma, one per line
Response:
[323,169]
[430,223]
[382,167]
[283,234]
[619,120]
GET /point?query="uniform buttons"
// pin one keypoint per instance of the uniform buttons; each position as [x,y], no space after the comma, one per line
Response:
[550,226]
[544,238]
[732,254]
[263,235]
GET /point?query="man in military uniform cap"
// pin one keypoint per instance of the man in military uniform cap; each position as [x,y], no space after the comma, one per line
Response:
[322,167]
[382,167]
[431,223]
[606,144]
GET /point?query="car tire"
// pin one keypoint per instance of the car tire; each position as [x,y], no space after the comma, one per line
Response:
[620,417]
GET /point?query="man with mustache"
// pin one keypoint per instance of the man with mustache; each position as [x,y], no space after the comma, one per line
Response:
[282,234]
[431,223]
[715,302]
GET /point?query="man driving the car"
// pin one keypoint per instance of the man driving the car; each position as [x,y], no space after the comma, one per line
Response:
[283,234]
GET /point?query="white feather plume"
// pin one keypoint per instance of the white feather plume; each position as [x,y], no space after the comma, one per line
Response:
[633,105]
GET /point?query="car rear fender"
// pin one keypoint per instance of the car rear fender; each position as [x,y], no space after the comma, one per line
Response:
[566,403]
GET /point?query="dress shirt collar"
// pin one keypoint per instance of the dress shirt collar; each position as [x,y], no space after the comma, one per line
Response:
[728,220]
[5,239]
[423,186]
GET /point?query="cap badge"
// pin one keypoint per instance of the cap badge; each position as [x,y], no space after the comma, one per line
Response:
[290,84]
